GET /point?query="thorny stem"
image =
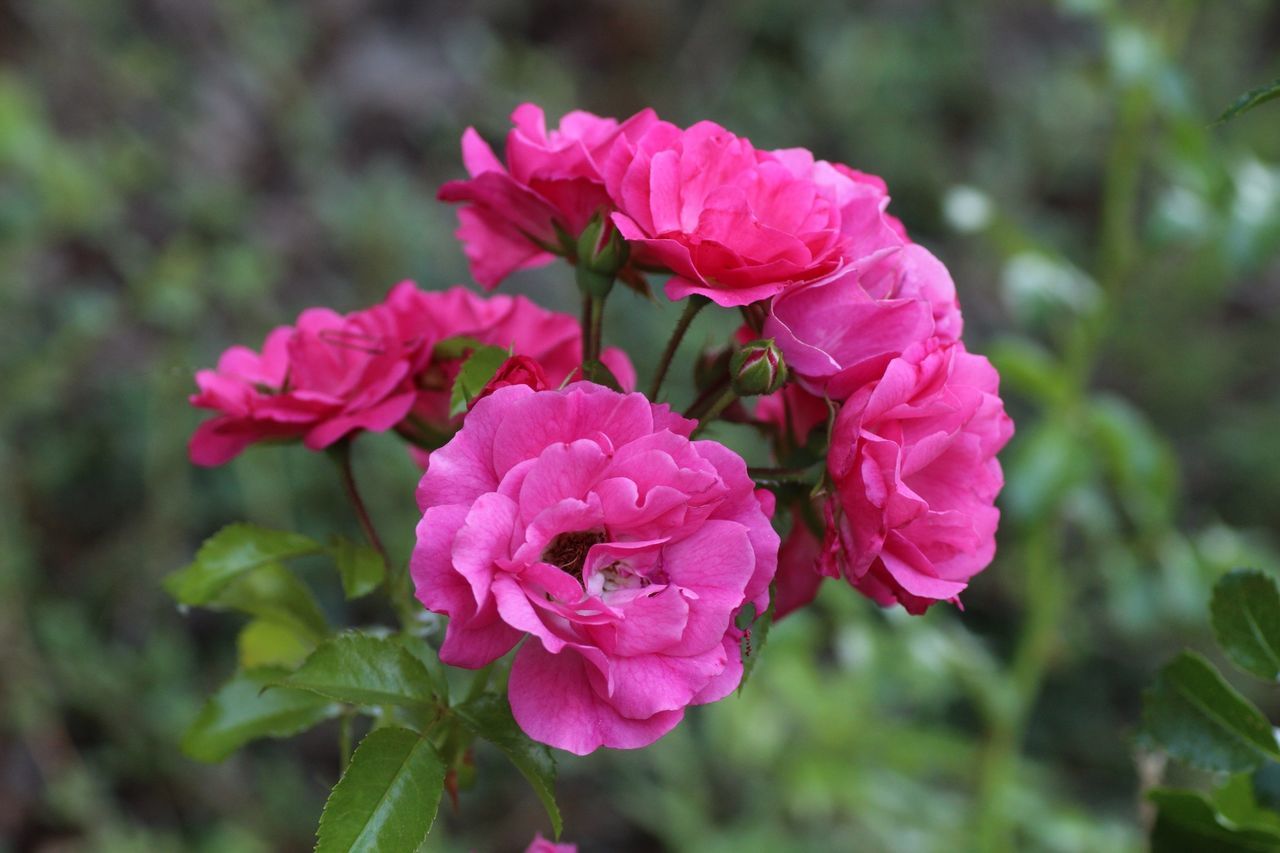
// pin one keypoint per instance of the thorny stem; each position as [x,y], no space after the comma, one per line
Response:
[723,402]
[596,309]
[699,406]
[586,329]
[692,306]
[795,474]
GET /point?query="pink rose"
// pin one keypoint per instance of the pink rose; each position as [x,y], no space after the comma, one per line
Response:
[321,380]
[586,523]
[551,178]
[913,458]
[839,333]
[735,224]
[542,845]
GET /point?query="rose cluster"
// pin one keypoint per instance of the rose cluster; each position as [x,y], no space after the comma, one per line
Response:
[591,528]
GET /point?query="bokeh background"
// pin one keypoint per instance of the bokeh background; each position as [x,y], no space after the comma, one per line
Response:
[180,175]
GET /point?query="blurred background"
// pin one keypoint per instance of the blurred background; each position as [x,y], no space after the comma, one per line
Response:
[180,175]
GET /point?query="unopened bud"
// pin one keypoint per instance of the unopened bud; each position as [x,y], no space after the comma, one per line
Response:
[601,254]
[757,368]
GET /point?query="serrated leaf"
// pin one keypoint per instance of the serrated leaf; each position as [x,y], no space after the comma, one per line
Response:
[274,593]
[266,643]
[1249,100]
[231,552]
[1186,822]
[240,712]
[387,799]
[753,642]
[360,567]
[1246,620]
[475,373]
[364,670]
[489,717]
[430,661]
[1200,719]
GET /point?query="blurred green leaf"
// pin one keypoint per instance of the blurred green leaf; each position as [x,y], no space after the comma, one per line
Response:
[455,347]
[1027,368]
[476,372]
[274,593]
[1186,822]
[360,567]
[1249,100]
[387,799]
[1043,465]
[1200,719]
[364,670]
[266,643]
[1266,787]
[1246,620]
[598,372]
[1237,801]
[1138,460]
[230,553]
[241,711]
[489,717]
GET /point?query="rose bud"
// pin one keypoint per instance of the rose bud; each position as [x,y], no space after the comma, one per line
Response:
[601,254]
[516,370]
[757,368]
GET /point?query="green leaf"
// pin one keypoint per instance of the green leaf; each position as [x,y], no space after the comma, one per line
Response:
[230,553]
[240,712]
[1266,787]
[387,799]
[272,592]
[489,717]
[1249,100]
[1246,620]
[430,661]
[1186,822]
[476,372]
[1199,718]
[360,567]
[266,643]
[455,347]
[364,670]
[1237,801]
[757,636]
[598,372]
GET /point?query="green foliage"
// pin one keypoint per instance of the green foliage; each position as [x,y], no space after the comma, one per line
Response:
[1246,620]
[1194,714]
[1186,822]
[1249,100]
[230,553]
[364,670]
[475,373]
[387,799]
[263,642]
[360,567]
[490,717]
[598,372]
[244,709]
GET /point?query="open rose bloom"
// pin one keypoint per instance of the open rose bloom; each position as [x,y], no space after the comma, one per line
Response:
[330,376]
[588,525]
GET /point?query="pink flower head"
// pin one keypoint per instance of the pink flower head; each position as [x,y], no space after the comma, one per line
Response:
[913,458]
[321,380]
[551,178]
[542,845]
[838,334]
[735,224]
[586,523]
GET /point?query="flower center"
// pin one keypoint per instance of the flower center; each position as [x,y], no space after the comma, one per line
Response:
[569,550]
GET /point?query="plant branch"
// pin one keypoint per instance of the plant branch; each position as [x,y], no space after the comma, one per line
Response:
[692,306]
[724,401]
